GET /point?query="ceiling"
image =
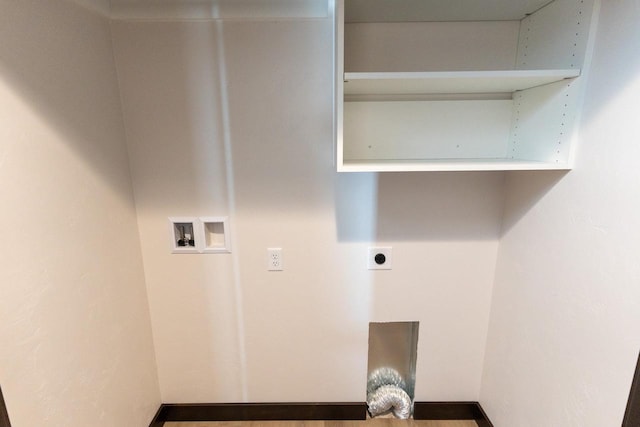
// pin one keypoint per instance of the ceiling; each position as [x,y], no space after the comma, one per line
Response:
[439,10]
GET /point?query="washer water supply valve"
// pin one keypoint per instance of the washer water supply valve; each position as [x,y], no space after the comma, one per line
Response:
[186,236]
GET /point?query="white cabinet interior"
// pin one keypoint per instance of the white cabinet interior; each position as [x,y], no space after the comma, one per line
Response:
[459,84]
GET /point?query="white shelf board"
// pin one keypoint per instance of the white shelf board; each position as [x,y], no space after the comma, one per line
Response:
[417,165]
[438,10]
[451,82]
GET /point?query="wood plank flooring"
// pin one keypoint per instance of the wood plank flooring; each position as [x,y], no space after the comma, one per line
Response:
[377,422]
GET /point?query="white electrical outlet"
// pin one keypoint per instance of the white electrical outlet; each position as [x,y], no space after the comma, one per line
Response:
[379,258]
[274,259]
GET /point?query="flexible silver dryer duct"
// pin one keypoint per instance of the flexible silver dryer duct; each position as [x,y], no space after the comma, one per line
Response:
[386,390]
[384,376]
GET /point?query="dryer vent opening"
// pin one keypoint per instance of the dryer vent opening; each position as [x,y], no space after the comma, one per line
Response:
[391,374]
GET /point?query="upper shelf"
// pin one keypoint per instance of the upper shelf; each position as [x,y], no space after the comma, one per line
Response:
[451,82]
[439,10]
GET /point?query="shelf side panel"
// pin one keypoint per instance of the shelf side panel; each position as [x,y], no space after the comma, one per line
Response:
[336,7]
[544,122]
[556,36]
[426,129]
[560,35]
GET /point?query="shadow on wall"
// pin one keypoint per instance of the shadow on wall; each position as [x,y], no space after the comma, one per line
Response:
[531,187]
[356,203]
[431,206]
[176,123]
[68,80]
[440,206]
[280,107]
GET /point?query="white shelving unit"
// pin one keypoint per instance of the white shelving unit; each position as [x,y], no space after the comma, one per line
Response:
[420,96]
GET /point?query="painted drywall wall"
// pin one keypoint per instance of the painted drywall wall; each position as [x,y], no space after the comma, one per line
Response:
[102,7]
[234,118]
[75,338]
[443,46]
[565,322]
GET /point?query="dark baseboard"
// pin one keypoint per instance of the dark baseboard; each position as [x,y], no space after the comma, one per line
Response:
[259,412]
[309,411]
[451,411]
[4,415]
[158,420]
[632,414]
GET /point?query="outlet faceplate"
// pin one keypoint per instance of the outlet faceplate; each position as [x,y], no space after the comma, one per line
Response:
[274,259]
[379,258]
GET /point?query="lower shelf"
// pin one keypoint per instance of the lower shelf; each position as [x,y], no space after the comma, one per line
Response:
[417,165]
[533,131]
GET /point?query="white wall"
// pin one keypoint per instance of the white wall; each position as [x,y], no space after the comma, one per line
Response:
[234,118]
[76,346]
[443,46]
[565,322]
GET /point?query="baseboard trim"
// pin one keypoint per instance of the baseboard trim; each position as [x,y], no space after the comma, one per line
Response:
[451,411]
[158,420]
[309,411]
[4,415]
[258,412]
[632,414]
